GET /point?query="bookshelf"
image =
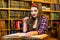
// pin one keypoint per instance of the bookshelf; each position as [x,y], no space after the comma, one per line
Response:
[13,11]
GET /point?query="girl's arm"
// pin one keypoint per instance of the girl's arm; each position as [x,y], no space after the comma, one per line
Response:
[25,27]
[25,24]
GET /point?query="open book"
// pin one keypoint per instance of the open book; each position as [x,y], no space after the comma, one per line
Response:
[16,35]
[19,35]
[40,36]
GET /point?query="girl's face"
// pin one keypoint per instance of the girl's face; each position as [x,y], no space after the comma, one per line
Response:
[34,11]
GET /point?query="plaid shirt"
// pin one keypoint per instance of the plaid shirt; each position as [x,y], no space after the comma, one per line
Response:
[43,28]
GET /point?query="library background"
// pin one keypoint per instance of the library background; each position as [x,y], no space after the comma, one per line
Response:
[13,11]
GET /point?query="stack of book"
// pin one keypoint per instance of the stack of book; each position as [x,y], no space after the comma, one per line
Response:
[58,1]
[13,14]
[5,3]
[19,14]
[24,4]
[12,4]
[12,24]
[3,15]
[19,4]
[16,26]
[6,24]
[55,7]
[2,27]
[55,16]
[1,4]
[16,4]
[27,4]
[45,8]
[2,24]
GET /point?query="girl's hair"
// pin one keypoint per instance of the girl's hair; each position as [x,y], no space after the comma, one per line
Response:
[32,19]
[35,5]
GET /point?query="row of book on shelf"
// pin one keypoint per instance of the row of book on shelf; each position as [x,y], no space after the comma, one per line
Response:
[55,7]
[22,14]
[55,1]
[24,4]
[55,16]
[17,25]
[20,4]
[14,14]
[3,4]
[19,14]
[15,4]
[3,14]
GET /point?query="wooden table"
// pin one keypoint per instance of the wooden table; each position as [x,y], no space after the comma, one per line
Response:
[20,36]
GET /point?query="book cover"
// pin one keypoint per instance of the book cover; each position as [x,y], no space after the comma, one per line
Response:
[52,16]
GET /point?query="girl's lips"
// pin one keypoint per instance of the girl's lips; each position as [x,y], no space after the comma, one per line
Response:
[33,14]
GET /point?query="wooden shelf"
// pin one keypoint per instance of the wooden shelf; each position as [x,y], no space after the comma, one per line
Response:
[46,11]
[4,29]
[55,11]
[15,29]
[27,0]
[3,19]
[10,29]
[4,8]
[15,19]
[46,2]
[43,2]
[21,9]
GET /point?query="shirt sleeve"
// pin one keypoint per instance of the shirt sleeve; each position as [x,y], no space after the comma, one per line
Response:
[43,28]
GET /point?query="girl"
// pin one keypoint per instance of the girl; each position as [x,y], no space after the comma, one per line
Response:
[35,24]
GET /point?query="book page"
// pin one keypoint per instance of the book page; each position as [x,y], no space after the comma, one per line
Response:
[40,36]
[16,35]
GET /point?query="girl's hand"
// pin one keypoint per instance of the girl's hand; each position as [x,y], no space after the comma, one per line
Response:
[29,34]
[32,33]
[26,19]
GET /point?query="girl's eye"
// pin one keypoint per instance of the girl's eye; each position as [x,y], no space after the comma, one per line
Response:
[35,10]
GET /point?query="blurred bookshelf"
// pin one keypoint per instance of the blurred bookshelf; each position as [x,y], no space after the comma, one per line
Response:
[11,14]
[13,11]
